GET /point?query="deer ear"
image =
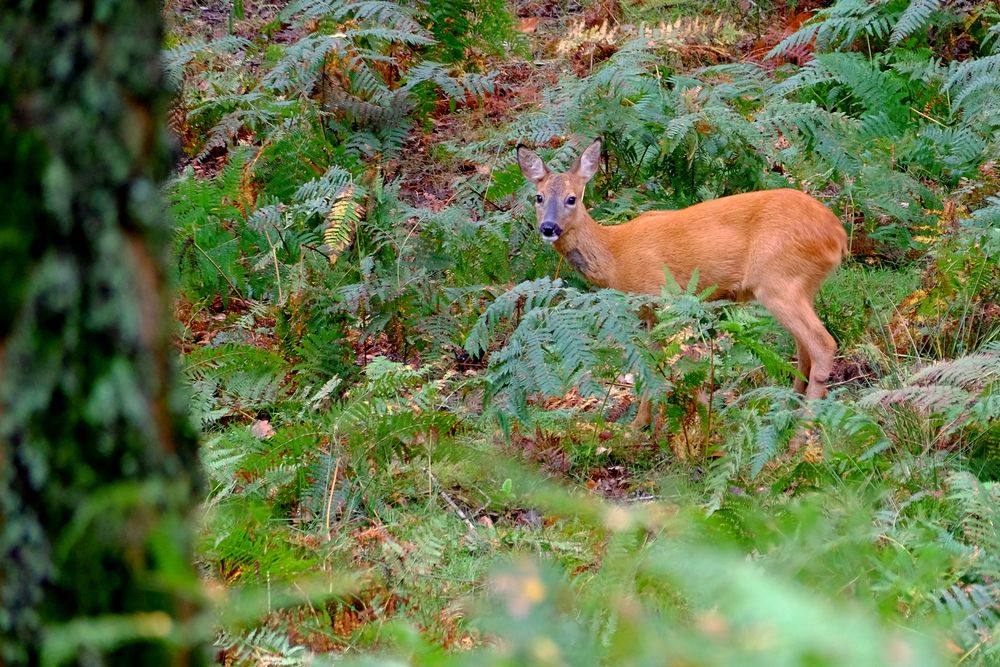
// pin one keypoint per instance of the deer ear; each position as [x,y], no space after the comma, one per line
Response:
[531,165]
[589,161]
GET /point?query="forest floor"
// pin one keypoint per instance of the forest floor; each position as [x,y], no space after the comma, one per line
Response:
[391,512]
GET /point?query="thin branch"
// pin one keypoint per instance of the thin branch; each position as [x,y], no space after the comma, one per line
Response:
[329,498]
[219,269]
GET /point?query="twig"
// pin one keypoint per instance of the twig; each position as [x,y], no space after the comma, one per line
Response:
[711,397]
[461,514]
[923,115]
[219,269]
[489,180]
[458,510]
[640,499]
[304,596]
[487,199]
[329,497]
[277,272]
[315,249]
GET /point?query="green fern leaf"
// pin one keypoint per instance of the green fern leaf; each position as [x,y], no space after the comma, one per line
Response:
[915,17]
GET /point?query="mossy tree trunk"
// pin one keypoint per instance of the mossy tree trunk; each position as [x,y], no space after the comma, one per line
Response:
[97,457]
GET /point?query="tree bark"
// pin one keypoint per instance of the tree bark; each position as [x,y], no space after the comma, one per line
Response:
[98,459]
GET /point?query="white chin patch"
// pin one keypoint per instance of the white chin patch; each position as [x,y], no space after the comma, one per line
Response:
[550,239]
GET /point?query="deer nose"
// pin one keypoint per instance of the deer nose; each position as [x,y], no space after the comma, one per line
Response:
[550,230]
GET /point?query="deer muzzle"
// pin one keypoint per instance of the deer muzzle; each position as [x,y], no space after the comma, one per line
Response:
[550,231]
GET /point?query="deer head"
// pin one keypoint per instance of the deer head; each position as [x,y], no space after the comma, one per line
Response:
[559,197]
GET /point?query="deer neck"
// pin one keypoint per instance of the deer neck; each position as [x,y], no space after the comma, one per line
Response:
[585,247]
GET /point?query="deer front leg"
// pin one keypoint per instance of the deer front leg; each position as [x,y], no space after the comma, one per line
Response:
[644,414]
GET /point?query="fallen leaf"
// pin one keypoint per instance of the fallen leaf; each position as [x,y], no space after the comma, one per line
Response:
[528,24]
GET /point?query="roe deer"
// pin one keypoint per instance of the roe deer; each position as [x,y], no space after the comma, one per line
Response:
[775,246]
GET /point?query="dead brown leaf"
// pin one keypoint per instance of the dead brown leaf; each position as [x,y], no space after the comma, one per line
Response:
[528,24]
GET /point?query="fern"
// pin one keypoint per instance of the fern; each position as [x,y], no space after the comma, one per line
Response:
[963,391]
[980,514]
[973,606]
[179,57]
[917,67]
[973,87]
[915,17]
[961,73]
[972,372]
[718,481]
[563,339]
[837,27]
[206,212]
[988,216]
[453,87]
[378,12]
[341,221]
[237,379]
[877,90]
[264,646]
[524,297]
[460,26]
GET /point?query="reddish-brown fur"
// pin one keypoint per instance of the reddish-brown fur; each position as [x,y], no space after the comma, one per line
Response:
[775,246]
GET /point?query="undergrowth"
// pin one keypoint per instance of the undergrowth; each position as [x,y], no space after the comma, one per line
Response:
[414,414]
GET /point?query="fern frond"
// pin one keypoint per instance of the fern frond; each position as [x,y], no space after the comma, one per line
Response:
[814,73]
[876,88]
[914,17]
[525,296]
[931,398]
[964,391]
[971,372]
[988,216]
[972,608]
[177,58]
[972,69]
[299,68]
[392,35]
[393,15]
[796,41]
[265,646]
[836,27]
[564,336]
[916,67]
[453,87]
[959,147]
[341,223]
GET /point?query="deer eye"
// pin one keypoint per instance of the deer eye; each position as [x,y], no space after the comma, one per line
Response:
[570,200]
[539,199]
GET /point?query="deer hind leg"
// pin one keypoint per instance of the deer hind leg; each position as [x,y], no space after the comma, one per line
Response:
[796,314]
[644,415]
[805,365]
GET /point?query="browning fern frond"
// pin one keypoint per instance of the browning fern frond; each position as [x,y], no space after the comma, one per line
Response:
[972,372]
[341,222]
[964,391]
[936,398]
